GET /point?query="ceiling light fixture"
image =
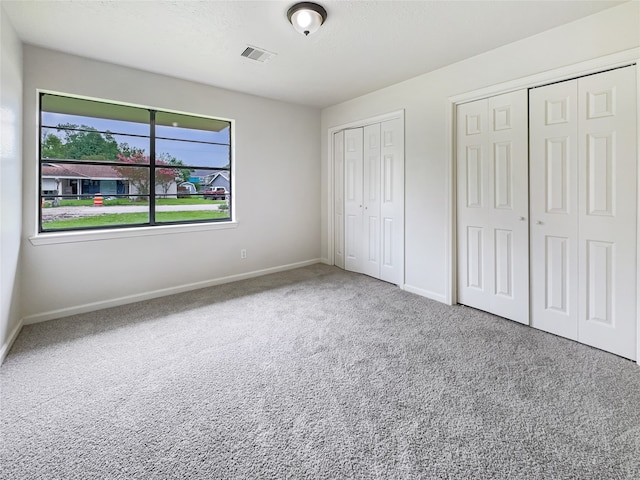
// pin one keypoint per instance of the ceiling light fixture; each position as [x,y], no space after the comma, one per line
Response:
[306,17]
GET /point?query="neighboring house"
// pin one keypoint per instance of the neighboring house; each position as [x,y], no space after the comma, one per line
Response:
[80,180]
[218,179]
[198,177]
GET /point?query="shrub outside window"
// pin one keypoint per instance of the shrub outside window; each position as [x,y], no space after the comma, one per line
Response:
[105,165]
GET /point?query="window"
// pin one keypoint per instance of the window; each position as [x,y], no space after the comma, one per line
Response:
[105,165]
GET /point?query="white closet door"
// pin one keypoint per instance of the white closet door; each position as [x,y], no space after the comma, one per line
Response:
[584,207]
[371,195]
[473,215]
[338,186]
[392,201]
[554,204]
[607,211]
[493,248]
[353,199]
[373,200]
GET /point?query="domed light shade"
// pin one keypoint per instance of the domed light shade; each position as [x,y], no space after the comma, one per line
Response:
[306,17]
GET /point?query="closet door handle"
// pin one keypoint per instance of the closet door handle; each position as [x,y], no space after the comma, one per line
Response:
[539,222]
[522,219]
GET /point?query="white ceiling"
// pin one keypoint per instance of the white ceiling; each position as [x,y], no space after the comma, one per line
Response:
[362,47]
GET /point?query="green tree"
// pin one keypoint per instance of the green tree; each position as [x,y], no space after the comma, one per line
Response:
[80,142]
[52,146]
[128,151]
[139,177]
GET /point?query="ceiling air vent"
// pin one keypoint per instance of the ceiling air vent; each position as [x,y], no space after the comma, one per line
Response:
[257,54]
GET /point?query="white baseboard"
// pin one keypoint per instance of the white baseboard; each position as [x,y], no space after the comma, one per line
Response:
[438,297]
[325,261]
[116,302]
[6,346]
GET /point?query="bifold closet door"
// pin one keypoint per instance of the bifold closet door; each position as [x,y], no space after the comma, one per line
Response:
[584,208]
[374,200]
[492,205]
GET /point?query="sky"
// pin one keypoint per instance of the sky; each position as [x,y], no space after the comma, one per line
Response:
[192,154]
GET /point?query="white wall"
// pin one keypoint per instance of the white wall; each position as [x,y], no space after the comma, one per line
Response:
[427,127]
[276,144]
[10,180]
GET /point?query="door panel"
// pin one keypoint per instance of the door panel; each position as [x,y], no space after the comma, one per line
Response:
[553,175]
[504,263]
[600,174]
[556,270]
[600,270]
[338,186]
[473,214]
[389,246]
[503,181]
[475,258]
[607,211]
[392,201]
[353,200]
[474,171]
[510,206]
[493,265]
[557,176]
[371,172]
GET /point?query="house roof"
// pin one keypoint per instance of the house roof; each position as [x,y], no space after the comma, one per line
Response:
[224,174]
[201,172]
[212,176]
[104,172]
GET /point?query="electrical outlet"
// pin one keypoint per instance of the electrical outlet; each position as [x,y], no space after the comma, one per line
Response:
[243,253]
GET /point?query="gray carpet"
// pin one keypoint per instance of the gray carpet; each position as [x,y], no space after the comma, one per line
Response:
[312,374]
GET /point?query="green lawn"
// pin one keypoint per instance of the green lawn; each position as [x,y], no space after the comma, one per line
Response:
[115,219]
[125,201]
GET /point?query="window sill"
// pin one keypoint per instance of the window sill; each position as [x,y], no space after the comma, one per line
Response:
[89,236]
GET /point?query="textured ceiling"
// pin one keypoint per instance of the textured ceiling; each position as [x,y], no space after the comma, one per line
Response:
[363,46]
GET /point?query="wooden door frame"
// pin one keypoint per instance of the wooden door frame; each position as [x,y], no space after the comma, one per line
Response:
[616,60]
[398,114]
